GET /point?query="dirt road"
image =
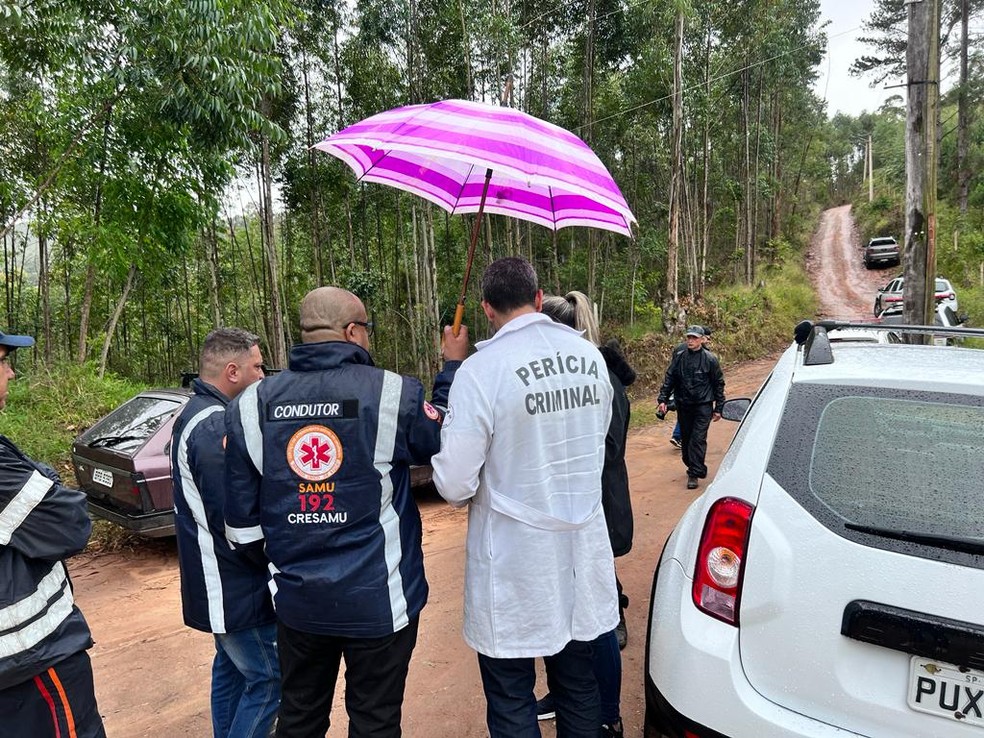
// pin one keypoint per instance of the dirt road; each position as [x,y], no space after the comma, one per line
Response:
[152,673]
[846,288]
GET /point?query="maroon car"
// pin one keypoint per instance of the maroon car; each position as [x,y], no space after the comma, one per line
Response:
[122,463]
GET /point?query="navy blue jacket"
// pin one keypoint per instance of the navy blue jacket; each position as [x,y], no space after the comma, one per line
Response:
[318,468]
[41,523]
[222,591]
[615,498]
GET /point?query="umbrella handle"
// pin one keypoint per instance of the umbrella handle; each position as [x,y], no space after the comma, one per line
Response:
[459,314]
[459,311]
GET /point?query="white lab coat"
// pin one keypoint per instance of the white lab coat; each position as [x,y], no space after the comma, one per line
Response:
[524,442]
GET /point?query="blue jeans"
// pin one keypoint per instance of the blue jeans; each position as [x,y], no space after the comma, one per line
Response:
[245,682]
[676,431]
[508,683]
[608,671]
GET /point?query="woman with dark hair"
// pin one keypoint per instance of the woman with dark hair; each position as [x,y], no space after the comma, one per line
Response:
[576,311]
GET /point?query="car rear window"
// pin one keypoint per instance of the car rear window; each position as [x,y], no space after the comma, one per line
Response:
[942,285]
[888,459]
[127,428]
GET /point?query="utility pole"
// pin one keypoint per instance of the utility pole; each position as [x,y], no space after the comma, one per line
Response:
[871,173]
[923,77]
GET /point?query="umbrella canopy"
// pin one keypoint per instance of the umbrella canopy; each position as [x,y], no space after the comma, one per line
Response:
[444,152]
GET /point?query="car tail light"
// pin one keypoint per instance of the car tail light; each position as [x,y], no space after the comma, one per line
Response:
[721,559]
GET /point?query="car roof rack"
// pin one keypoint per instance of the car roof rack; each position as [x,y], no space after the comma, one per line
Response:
[812,336]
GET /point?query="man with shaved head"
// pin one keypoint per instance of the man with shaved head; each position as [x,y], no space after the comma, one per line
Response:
[318,469]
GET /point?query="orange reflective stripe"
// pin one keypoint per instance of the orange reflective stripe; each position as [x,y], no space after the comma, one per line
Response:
[69,718]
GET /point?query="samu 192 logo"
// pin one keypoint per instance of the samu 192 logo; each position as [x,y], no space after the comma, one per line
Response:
[314,452]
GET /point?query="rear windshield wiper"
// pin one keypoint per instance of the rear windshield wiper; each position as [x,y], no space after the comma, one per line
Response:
[111,441]
[952,543]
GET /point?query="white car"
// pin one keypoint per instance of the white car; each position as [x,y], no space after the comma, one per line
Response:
[891,294]
[830,580]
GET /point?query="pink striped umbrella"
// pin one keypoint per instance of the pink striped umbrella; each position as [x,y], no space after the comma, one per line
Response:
[468,157]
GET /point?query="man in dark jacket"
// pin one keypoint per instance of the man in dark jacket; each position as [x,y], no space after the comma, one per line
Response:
[45,674]
[694,377]
[222,591]
[318,467]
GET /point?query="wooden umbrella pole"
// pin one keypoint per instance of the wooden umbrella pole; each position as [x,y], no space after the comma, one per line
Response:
[459,312]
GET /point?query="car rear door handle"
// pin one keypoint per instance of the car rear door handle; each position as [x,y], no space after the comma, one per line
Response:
[916,633]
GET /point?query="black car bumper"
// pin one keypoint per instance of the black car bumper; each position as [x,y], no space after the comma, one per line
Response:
[158,524]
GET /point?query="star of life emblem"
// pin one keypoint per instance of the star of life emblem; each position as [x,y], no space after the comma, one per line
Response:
[314,452]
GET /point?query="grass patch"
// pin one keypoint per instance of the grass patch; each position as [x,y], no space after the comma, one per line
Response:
[748,323]
[643,412]
[972,302]
[47,408]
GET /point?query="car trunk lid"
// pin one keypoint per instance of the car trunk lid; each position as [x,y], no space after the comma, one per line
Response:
[890,639]
[794,609]
[122,460]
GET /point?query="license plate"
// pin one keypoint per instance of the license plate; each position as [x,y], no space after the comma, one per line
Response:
[103,477]
[953,692]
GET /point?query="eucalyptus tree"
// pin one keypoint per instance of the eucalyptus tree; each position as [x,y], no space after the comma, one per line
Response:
[148,102]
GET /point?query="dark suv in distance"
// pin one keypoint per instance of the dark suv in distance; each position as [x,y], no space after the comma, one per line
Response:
[881,250]
[123,463]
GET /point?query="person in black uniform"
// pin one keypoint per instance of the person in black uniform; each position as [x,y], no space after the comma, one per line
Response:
[222,591]
[45,674]
[318,482]
[694,377]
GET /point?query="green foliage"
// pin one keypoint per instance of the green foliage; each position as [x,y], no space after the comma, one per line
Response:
[47,408]
[883,216]
[748,322]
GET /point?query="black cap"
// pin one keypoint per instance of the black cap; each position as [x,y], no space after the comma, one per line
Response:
[15,342]
[696,330]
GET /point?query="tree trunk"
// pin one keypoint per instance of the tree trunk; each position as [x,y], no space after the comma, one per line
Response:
[212,249]
[705,240]
[676,173]
[747,134]
[117,312]
[85,312]
[43,289]
[963,112]
[277,349]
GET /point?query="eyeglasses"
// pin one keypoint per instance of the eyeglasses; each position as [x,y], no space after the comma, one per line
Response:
[368,326]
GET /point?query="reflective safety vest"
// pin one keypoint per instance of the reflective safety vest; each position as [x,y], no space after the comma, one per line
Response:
[41,523]
[222,591]
[318,477]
